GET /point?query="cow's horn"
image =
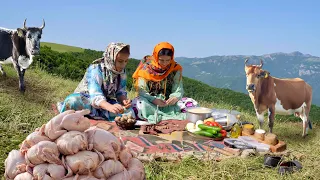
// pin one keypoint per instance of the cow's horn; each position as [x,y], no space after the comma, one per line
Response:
[245,62]
[261,63]
[24,24]
[43,24]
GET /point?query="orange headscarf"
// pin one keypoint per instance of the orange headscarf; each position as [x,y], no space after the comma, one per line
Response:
[151,70]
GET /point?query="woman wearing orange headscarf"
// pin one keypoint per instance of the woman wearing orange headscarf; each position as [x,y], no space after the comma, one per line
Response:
[158,82]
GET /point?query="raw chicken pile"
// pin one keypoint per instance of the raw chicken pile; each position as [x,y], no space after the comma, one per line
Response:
[68,148]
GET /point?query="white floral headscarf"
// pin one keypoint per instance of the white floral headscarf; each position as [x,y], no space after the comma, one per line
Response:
[110,55]
[108,62]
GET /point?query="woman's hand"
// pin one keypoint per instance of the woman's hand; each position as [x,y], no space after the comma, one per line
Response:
[171,101]
[115,108]
[126,103]
[159,102]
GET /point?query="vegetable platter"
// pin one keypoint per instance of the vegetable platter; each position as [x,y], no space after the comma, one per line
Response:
[207,130]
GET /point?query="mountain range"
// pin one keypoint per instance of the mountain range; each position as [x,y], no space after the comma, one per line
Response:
[228,71]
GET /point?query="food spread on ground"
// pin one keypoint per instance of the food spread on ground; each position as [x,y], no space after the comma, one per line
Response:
[224,126]
[70,147]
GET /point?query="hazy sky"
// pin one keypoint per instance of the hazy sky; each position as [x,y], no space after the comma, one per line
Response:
[196,28]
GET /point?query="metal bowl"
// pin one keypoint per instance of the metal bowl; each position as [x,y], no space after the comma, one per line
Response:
[195,116]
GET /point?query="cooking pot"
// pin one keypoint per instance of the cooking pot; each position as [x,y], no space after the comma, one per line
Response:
[198,113]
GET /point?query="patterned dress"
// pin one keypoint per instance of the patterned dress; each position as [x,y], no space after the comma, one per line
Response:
[144,108]
[92,90]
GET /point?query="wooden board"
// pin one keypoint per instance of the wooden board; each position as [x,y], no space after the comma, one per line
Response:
[281,146]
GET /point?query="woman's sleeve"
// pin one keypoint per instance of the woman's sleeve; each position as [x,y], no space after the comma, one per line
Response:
[94,78]
[143,90]
[122,91]
[177,87]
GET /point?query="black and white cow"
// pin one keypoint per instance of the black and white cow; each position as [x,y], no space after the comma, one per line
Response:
[19,46]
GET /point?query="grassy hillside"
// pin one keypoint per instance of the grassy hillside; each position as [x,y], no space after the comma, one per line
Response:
[21,114]
[61,47]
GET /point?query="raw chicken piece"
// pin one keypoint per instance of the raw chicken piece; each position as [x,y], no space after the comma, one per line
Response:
[83,162]
[31,140]
[14,164]
[125,156]
[76,121]
[104,142]
[81,177]
[53,128]
[72,142]
[48,171]
[44,151]
[24,176]
[109,168]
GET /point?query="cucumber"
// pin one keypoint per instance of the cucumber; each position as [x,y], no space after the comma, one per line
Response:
[203,133]
[217,135]
[205,127]
[212,131]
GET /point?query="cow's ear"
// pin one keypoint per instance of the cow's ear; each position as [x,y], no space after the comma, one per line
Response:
[21,32]
[264,74]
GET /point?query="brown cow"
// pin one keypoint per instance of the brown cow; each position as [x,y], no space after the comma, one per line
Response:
[278,96]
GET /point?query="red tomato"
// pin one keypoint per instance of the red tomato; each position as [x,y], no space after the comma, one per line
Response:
[207,123]
[215,124]
[219,126]
[223,132]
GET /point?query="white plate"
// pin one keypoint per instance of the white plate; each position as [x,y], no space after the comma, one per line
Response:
[141,123]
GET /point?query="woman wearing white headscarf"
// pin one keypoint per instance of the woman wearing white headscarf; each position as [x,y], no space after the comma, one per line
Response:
[103,87]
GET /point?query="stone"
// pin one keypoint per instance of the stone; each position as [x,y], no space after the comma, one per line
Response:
[247,153]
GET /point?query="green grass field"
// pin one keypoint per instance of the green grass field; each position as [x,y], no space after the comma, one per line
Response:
[62,47]
[21,114]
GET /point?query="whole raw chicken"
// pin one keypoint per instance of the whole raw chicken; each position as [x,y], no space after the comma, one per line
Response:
[81,177]
[24,176]
[31,140]
[14,164]
[109,168]
[48,171]
[72,142]
[83,162]
[125,155]
[135,171]
[53,128]
[104,142]
[44,151]
[76,121]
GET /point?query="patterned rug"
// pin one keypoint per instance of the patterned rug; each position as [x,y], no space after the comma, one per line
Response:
[176,142]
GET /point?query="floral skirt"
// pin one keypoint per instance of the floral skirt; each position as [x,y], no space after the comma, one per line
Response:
[145,110]
[79,101]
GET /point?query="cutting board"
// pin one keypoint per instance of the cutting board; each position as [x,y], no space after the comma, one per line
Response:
[281,146]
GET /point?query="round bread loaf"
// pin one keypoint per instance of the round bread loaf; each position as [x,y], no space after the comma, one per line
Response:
[271,139]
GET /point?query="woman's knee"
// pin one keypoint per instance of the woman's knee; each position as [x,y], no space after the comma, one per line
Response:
[73,102]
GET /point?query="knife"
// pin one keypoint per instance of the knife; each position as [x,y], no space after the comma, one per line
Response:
[156,114]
